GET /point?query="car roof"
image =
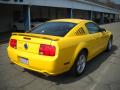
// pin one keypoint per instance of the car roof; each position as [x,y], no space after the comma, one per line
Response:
[70,20]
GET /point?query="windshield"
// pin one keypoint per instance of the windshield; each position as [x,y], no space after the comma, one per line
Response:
[54,28]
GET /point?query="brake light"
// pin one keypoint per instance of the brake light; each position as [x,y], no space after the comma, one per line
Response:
[13,43]
[47,50]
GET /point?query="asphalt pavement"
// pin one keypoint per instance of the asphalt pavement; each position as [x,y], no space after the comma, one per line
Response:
[102,73]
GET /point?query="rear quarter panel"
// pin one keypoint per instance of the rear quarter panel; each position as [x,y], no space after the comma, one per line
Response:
[69,49]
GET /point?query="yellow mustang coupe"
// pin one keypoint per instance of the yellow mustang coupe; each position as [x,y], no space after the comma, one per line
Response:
[59,46]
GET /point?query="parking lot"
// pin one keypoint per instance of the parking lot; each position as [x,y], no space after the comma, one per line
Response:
[102,73]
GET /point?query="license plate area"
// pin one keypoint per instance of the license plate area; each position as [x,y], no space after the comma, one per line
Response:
[23,60]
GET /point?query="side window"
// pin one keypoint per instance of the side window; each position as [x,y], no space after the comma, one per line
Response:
[92,28]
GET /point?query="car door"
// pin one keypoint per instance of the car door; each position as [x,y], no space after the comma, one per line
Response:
[105,37]
[95,36]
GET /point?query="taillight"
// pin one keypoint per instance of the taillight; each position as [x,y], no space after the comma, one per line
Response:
[47,50]
[13,43]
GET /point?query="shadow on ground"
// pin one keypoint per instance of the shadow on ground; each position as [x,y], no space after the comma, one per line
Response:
[65,78]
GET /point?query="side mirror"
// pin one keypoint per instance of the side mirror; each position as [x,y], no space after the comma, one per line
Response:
[102,30]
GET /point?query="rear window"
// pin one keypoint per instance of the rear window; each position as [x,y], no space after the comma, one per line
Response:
[54,28]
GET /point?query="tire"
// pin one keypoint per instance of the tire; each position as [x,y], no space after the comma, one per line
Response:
[80,64]
[109,45]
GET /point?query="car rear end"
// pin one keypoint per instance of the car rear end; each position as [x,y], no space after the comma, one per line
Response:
[39,50]
[35,52]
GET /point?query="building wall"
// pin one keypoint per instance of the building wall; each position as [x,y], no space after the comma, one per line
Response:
[61,13]
[50,9]
[12,13]
[39,12]
[52,13]
[5,18]
[80,14]
[75,4]
[48,12]
[103,1]
[8,15]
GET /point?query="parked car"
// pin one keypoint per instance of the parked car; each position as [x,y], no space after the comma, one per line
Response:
[59,46]
[19,25]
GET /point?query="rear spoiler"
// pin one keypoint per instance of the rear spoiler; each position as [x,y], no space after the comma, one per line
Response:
[54,38]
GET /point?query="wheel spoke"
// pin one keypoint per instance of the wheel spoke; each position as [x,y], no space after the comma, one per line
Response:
[81,64]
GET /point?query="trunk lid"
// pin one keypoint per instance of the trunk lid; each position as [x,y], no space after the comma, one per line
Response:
[29,42]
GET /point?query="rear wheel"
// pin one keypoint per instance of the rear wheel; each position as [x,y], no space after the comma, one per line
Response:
[80,64]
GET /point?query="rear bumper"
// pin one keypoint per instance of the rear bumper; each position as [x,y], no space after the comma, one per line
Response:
[43,64]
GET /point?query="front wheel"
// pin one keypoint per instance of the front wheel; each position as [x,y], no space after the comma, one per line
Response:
[109,46]
[80,64]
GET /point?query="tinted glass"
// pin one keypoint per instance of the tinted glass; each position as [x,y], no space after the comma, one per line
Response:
[54,28]
[92,28]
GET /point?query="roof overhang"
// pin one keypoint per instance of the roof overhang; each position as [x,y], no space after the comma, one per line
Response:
[74,4]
